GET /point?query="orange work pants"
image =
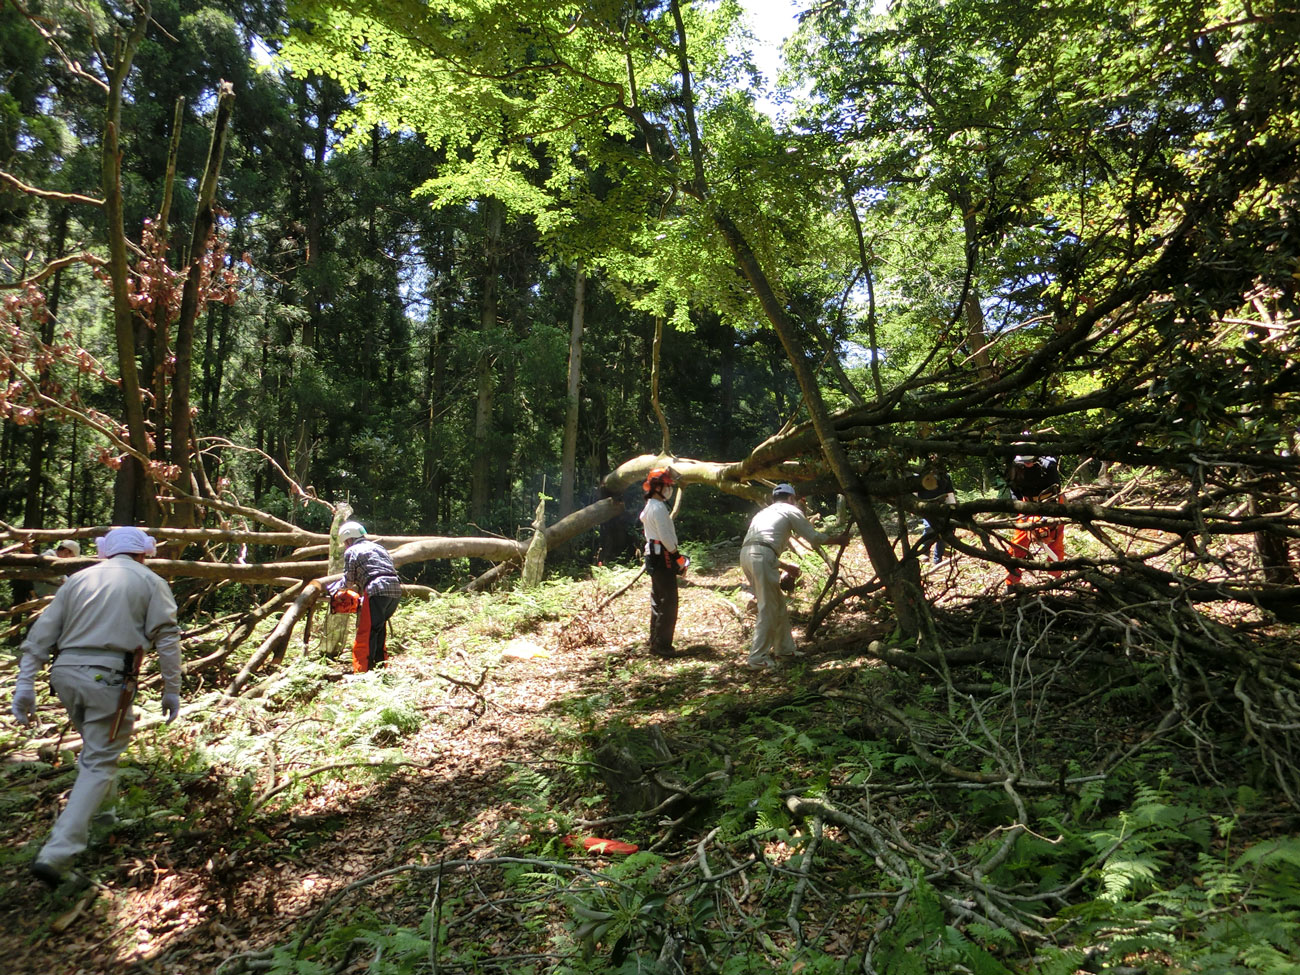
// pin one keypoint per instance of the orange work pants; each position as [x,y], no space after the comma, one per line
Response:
[1027,530]
[361,645]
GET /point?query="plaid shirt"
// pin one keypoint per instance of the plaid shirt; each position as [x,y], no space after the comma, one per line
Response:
[368,568]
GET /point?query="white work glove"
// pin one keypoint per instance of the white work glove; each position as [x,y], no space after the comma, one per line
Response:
[171,706]
[24,704]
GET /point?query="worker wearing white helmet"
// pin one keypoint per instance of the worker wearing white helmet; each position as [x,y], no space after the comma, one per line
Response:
[768,535]
[369,570]
[69,548]
[1035,478]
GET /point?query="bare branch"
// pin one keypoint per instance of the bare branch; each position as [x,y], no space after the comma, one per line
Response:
[22,187]
[54,267]
[72,65]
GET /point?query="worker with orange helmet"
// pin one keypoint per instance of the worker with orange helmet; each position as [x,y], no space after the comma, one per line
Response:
[662,560]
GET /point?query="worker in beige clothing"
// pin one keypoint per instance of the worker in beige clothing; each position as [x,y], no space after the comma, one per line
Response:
[69,548]
[768,535]
[92,628]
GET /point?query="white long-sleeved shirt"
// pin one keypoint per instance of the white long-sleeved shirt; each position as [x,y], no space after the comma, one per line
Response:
[48,588]
[116,606]
[658,524]
[774,525]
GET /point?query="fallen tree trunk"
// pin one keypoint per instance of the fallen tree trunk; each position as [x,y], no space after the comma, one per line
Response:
[424,550]
[406,550]
[237,535]
[557,534]
[48,569]
[725,477]
[278,637]
[243,630]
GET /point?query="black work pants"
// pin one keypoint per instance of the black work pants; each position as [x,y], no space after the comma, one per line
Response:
[381,608]
[663,603]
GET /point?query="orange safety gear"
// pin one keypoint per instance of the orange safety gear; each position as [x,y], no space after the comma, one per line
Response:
[659,476]
[345,601]
[361,643]
[1031,529]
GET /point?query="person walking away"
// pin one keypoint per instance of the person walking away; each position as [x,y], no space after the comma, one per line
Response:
[94,633]
[69,548]
[767,537]
[369,570]
[663,563]
[1035,478]
[936,485]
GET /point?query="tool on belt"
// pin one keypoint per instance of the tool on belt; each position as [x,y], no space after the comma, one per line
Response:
[126,696]
[789,577]
[675,562]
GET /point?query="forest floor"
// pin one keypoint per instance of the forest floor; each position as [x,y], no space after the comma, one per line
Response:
[245,823]
[181,901]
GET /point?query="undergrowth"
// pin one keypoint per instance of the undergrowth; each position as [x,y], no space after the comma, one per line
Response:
[1151,866]
[1020,815]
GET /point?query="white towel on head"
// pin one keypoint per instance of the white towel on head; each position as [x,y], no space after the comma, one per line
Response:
[125,539]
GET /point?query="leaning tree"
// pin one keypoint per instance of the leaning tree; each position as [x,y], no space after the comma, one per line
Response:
[1119,255]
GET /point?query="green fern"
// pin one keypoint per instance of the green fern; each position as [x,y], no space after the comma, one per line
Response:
[1282,852]
[1059,961]
[1218,881]
[529,786]
[1121,876]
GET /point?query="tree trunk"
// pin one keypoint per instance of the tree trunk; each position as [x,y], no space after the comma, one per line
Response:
[656,349]
[33,510]
[435,379]
[569,449]
[298,453]
[209,352]
[726,426]
[480,466]
[902,580]
[157,342]
[134,498]
[260,434]
[204,226]
[1274,550]
[223,348]
[337,625]
[865,262]
[977,338]
[508,457]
